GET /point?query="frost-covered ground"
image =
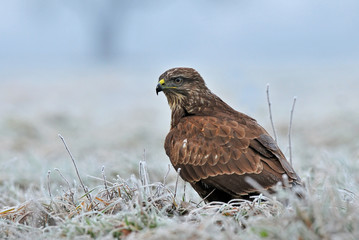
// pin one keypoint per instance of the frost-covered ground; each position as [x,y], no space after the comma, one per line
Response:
[113,118]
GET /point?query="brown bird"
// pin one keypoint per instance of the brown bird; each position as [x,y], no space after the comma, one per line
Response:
[216,147]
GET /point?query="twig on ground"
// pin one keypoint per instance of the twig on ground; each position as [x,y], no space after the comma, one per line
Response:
[270,114]
[48,183]
[144,174]
[290,131]
[178,174]
[88,195]
[168,171]
[209,194]
[184,192]
[105,182]
[68,185]
[256,185]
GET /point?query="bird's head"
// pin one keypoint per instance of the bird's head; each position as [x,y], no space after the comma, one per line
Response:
[181,86]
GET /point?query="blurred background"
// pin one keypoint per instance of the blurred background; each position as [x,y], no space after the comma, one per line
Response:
[88,70]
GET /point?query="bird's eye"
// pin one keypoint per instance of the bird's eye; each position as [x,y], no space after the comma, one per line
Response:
[178,80]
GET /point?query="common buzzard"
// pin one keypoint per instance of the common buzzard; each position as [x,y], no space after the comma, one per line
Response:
[216,147]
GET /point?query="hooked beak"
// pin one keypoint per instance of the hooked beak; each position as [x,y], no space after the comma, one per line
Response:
[159,87]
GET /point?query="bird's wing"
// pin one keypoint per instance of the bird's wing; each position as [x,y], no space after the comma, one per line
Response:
[205,147]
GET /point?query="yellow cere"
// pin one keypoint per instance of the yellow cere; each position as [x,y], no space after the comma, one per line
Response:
[162,82]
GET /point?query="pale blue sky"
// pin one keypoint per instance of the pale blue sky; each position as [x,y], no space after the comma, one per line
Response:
[210,32]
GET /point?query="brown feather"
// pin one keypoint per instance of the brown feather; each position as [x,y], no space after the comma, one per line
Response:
[217,147]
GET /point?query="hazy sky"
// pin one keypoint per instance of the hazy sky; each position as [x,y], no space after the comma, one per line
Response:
[212,32]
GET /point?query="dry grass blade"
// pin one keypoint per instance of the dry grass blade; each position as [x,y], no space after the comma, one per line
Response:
[105,182]
[270,114]
[166,175]
[290,131]
[176,187]
[204,199]
[88,195]
[48,184]
[71,194]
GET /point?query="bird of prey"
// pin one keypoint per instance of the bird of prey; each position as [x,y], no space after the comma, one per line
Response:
[217,147]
